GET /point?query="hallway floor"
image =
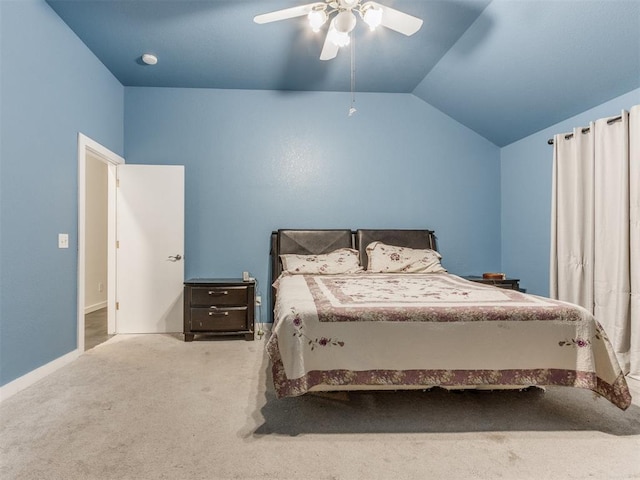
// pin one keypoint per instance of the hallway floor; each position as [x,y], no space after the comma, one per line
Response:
[95,328]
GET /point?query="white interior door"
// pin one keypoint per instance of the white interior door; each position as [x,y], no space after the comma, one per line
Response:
[150,236]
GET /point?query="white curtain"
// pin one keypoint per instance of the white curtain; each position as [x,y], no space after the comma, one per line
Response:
[634,237]
[595,229]
[572,234]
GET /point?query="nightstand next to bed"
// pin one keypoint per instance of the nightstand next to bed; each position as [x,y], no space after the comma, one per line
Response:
[218,306]
[508,283]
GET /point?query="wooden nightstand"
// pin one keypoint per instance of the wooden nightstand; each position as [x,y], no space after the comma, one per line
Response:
[218,306]
[508,283]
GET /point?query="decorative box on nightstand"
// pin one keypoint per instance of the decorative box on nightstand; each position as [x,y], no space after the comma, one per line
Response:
[508,283]
[218,306]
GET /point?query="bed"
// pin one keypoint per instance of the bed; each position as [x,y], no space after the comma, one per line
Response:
[375,310]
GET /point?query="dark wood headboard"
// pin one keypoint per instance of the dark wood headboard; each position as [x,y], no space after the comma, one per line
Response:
[316,242]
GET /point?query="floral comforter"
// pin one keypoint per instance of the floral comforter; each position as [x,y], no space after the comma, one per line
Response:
[408,330]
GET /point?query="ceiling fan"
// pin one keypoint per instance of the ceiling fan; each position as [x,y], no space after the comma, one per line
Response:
[342,20]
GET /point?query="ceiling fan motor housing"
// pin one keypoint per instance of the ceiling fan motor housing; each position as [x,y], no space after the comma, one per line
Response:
[348,4]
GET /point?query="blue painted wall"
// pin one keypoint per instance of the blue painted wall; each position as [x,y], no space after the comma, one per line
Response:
[526,168]
[52,88]
[256,161]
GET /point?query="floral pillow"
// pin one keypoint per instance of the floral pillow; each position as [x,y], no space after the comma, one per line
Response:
[343,260]
[391,259]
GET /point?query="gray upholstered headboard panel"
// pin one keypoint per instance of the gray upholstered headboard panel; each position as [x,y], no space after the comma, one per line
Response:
[399,238]
[307,242]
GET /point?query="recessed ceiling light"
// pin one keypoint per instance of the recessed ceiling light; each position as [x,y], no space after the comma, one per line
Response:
[149,59]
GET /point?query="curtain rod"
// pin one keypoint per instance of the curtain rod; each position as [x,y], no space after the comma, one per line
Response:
[586,129]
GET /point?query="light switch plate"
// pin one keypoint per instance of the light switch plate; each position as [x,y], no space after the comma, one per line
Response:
[63,240]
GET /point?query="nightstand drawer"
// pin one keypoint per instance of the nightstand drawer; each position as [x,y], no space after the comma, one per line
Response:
[508,286]
[507,283]
[218,319]
[219,295]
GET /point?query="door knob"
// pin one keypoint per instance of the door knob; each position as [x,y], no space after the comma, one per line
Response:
[175,258]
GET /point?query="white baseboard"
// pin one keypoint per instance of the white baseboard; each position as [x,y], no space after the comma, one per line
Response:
[20,383]
[95,307]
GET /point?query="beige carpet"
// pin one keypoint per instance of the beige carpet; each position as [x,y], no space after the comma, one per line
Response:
[154,407]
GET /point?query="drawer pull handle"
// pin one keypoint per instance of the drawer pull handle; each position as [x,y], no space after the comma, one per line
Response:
[218,292]
[219,313]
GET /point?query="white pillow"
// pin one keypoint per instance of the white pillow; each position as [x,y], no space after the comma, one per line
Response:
[391,259]
[343,260]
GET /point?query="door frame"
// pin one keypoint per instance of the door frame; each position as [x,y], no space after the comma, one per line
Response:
[89,147]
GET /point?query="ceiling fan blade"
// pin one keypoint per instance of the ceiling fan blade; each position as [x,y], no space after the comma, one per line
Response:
[398,21]
[329,49]
[285,14]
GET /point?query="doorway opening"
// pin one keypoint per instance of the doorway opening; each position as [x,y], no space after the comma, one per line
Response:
[96,242]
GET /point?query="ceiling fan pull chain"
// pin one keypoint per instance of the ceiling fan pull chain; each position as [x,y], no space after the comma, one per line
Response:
[352,109]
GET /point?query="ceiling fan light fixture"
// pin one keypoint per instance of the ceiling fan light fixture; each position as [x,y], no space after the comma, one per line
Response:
[372,16]
[345,21]
[342,20]
[339,39]
[317,18]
